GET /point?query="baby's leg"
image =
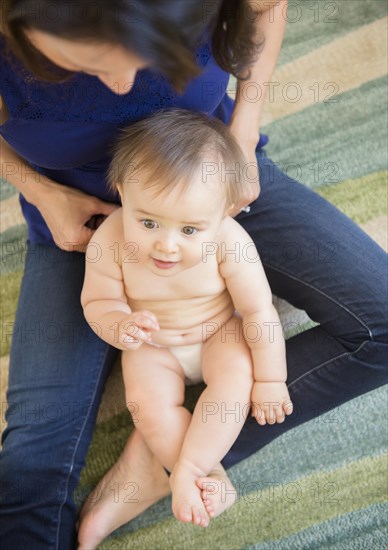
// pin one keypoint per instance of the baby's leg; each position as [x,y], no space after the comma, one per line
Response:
[154,390]
[218,417]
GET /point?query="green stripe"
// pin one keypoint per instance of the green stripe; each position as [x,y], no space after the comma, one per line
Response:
[327,143]
[6,190]
[362,199]
[359,530]
[323,434]
[270,515]
[292,329]
[318,23]
[13,249]
[339,424]
[10,286]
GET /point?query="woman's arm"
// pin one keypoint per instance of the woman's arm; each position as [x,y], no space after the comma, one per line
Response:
[64,209]
[15,170]
[250,95]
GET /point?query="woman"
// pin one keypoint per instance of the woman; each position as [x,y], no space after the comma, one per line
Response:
[123,60]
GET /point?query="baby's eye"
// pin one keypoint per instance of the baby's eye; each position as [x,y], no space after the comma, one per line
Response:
[149,224]
[189,230]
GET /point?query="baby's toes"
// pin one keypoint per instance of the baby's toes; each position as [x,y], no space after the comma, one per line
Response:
[184,513]
[200,517]
[208,487]
[196,515]
[288,407]
[209,507]
[203,518]
[206,498]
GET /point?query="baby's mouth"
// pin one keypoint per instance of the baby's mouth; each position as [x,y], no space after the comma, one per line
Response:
[161,264]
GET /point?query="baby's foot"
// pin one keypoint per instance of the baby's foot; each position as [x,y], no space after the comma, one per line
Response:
[187,503]
[217,492]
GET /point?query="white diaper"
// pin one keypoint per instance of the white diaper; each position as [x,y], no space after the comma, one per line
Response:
[189,358]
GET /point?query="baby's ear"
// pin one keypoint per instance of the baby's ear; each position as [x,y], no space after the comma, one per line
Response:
[119,189]
[228,210]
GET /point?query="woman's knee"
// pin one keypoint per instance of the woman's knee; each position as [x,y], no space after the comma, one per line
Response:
[360,330]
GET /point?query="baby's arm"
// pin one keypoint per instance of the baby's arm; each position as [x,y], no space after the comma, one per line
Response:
[252,297]
[103,296]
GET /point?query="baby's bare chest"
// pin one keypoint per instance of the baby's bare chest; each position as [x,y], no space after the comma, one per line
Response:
[180,303]
[200,281]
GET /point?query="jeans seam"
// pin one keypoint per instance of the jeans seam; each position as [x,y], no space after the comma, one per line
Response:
[75,451]
[327,297]
[328,361]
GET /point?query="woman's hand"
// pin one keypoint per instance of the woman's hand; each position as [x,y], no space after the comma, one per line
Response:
[250,170]
[269,21]
[71,215]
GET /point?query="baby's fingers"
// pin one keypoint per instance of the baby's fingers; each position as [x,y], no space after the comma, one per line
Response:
[271,412]
[258,413]
[132,333]
[131,343]
[279,412]
[288,407]
[146,320]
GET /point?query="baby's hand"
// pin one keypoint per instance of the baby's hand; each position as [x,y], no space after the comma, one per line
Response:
[270,402]
[136,328]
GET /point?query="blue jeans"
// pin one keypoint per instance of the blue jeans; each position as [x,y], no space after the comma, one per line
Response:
[314,257]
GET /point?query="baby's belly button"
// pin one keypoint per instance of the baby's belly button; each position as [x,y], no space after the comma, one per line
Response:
[184,336]
[180,339]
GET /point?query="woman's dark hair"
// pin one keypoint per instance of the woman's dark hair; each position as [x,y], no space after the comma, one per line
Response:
[166,33]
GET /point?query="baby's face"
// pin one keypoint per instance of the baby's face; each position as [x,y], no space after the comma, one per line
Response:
[170,230]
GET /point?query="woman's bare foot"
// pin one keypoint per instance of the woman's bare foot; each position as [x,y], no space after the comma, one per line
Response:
[134,483]
[217,492]
[187,503]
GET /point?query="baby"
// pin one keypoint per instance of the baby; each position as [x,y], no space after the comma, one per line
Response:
[180,289]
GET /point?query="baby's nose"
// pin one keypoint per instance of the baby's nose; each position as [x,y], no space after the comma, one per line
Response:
[167,244]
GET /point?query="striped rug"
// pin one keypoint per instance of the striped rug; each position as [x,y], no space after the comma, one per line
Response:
[327,122]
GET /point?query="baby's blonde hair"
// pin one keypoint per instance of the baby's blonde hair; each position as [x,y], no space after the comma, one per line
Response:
[169,148]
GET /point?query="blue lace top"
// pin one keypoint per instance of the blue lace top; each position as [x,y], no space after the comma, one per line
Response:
[64,130]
